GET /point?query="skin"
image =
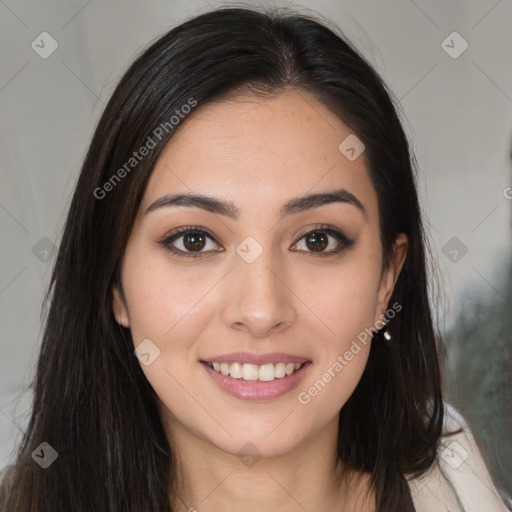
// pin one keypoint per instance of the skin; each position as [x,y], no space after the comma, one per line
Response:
[257,153]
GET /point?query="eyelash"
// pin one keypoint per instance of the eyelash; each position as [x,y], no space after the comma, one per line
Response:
[339,236]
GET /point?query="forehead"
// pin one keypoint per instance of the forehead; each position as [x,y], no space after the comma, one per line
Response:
[259,151]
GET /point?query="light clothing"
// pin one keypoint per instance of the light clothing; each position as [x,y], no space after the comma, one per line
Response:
[459,481]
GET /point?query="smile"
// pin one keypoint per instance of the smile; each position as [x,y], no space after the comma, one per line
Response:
[252,372]
[249,381]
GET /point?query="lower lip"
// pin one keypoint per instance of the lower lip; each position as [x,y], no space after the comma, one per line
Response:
[253,390]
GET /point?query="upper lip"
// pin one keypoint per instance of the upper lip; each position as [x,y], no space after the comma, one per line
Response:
[258,359]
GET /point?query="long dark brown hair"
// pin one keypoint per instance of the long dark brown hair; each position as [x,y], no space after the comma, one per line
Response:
[91,400]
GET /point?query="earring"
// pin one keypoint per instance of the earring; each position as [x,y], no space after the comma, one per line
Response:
[386,334]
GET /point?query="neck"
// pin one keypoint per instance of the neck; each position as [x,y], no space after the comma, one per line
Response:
[307,478]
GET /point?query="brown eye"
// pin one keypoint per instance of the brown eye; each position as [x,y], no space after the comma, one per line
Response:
[192,241]
[319,238]
[317,241]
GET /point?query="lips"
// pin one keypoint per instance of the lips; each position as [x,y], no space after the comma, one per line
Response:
[256,376]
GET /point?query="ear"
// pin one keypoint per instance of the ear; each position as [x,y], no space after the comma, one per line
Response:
[119,307]
[390,274]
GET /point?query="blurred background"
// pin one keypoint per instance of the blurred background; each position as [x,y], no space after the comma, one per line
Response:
[447,63]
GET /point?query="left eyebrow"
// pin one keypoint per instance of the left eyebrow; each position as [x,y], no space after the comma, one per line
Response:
[229,209]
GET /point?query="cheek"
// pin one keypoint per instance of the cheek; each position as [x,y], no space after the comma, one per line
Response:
[344,300]
[163,303]
[169,307]
[342,356]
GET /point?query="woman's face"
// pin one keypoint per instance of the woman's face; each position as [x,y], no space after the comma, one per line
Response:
[245,288]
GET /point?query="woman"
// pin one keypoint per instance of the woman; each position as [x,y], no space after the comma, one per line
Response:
[239,312]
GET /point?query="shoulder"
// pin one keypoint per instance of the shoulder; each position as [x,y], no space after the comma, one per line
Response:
[459,479]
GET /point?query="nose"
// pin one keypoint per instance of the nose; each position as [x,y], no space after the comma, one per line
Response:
[257,298]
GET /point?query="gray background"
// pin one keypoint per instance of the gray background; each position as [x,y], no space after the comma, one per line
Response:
[457,112]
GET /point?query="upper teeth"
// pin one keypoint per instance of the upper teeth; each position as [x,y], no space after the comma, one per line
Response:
[265,372]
